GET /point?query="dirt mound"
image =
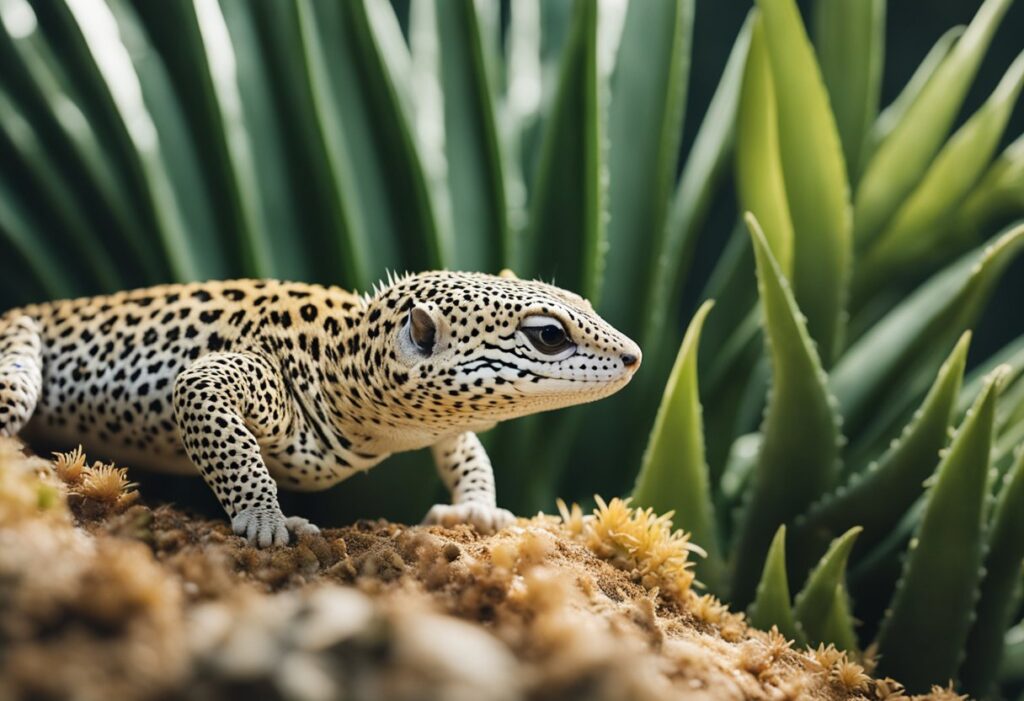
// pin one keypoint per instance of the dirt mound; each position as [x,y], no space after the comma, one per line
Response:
[103,596]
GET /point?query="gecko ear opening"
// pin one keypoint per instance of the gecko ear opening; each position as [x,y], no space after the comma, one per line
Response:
[422,330]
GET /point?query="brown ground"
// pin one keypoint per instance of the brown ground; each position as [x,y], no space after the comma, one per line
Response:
[105,597]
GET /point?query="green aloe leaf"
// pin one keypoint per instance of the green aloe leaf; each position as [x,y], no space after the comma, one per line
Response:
[794,468]
[759,179]
[876,498]
[916,225]
[32,163]
[98,46]
[900,354]
[258,138]
[815,175]
[566,241]
[921,641]
[1001,587]
[39,84]
[772,605]
[903,157]
[822,606]
[995,200]
[705,168]
[193,39]
[850,40]
[645,126]
[894,113]
[457,125]
[18,233]
[1010,355]
[673,474]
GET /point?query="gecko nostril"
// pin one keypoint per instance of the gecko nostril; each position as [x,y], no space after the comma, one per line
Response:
[629,359]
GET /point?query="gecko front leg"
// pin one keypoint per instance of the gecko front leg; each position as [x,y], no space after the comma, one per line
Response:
[223,403]
[466,471]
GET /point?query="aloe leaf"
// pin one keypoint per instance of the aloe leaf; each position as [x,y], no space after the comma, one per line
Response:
[258,137]
[33,163]
[673,474]
[759,179]
[704,170]
[520,117]
[894,113]
[995,200]
[566,240]
[794,468]
[815,175]
[18,233]
[914,228]
[921,640]
[876,498]
[39,83]
[456,123]
[96,34]
[901,353]
[1000,588]
[850,41]
[903,157]
[645,126]
[318,154]
[822,608]
[193,39]
[1011,667]
[772,605]
[360,197]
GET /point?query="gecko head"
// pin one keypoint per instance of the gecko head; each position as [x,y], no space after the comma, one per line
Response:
[493,347]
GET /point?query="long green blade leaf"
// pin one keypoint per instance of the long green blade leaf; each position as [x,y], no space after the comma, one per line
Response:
[772,605]
[900,161]
[894,113]
[645,126]
[901,353]
[816,186]
[816,607]
[456,122]
[921,641]
[704,170]
[77,237]
[794,468]
[759,178]
[567,231]
[876,498]
[850,40]
[102,36]
[39,84]
[915,227]
[1000,589]
[673,474]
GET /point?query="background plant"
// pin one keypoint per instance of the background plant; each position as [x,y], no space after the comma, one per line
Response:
[144,141]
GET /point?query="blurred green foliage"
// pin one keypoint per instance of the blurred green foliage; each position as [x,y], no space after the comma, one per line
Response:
[611,146]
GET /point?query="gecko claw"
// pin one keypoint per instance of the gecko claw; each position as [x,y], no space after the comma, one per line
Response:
[265,526]
[486,519]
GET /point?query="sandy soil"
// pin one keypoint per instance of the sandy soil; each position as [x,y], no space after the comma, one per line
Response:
[105,594]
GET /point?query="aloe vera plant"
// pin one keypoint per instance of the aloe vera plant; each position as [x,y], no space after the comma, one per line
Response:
[803,429]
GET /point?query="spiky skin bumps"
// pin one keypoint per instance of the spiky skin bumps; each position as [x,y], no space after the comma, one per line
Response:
[260,383]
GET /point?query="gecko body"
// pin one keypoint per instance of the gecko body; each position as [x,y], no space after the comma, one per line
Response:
[257,384]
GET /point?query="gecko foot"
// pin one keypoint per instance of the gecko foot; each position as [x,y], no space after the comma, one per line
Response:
[486,519]
[265,526]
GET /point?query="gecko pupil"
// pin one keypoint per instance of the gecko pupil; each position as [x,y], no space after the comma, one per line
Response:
[552,335]
[549,339]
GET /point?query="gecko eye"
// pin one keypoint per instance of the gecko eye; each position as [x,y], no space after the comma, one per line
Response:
[546,334]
